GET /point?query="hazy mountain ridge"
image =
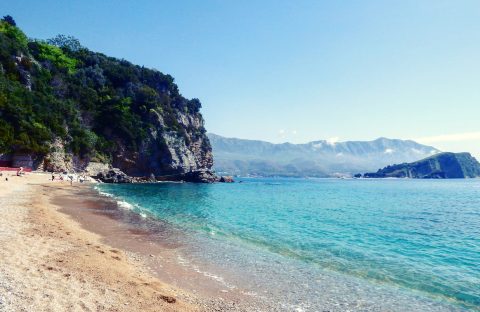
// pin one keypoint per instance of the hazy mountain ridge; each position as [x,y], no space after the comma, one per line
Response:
[317,159]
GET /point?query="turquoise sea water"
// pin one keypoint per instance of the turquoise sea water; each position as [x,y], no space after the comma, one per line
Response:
[358,244]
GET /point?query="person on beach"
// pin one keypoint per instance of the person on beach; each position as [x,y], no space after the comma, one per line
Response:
[53,176]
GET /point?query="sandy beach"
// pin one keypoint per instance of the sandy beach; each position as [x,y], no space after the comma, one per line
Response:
[49,262]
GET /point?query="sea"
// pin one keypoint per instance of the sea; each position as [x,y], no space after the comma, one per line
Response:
[325,244]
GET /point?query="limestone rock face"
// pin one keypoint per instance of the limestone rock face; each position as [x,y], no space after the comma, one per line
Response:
[24,73]
[57,160]
[94,168]
[164,155]
[171,155]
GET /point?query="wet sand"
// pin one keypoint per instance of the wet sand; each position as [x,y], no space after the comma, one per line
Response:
[67,249]
[151,242]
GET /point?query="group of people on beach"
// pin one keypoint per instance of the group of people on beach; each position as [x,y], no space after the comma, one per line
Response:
[69,177]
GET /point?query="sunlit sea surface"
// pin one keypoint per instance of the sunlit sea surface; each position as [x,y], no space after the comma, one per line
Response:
[327,244]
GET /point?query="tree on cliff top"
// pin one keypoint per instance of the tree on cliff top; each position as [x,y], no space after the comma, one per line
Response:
[66,42]
[9,20]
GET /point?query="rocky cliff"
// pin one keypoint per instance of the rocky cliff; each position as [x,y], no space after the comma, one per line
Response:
[65,108]
[440,166]
[167,155]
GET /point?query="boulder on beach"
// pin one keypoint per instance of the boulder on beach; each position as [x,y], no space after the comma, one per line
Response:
[113,175]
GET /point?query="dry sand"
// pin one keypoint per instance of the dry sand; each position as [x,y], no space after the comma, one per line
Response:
[48,262]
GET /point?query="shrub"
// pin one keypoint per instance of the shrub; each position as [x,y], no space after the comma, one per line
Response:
[14,33]
[47,52]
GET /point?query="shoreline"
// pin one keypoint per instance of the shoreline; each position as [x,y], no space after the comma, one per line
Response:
[70,248]
[278,283]
[150,241]
[52,261]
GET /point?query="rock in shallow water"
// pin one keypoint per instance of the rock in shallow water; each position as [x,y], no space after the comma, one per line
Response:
[113,176]
[226,179]
[200,176]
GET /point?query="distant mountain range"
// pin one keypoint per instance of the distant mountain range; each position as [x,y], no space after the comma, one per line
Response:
[439,166]
[315,159]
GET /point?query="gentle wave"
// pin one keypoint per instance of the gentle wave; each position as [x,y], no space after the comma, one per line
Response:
[125,205]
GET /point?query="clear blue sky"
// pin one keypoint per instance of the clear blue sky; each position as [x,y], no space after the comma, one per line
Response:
[296,70]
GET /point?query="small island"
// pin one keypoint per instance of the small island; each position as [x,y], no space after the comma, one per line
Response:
[439,166]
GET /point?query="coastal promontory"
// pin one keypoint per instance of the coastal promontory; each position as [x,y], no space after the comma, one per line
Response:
[439,166]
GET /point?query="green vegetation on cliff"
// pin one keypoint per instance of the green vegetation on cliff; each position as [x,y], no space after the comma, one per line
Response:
[95,104]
